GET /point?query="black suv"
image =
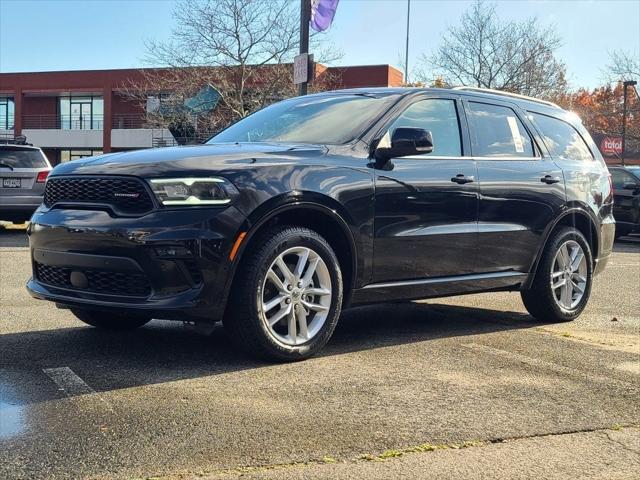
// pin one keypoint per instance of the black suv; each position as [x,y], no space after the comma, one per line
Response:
[328,200]
[626,199]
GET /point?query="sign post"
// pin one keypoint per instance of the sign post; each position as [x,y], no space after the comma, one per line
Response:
[305,17]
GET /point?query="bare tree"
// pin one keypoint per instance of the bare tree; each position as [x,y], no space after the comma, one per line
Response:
[623,65]
[240,47]
[483,51]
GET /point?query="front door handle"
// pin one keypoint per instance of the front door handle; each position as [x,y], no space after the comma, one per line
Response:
[462,179]
[548,179]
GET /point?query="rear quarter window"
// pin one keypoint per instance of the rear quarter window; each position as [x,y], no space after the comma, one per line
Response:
[561,138]
[22,158]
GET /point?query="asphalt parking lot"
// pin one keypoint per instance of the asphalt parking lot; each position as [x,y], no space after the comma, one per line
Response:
[465,387]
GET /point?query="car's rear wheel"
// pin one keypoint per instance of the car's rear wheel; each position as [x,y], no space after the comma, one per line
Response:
[562,285]
[287,298]
[109,321]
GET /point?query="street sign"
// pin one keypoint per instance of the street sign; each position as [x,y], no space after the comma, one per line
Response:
[301,68]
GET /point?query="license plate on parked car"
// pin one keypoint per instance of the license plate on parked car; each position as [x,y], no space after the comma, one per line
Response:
[11,182]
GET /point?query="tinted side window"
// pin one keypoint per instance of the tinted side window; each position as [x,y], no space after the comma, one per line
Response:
[497,132]
[440,117]
[561,138]
[620,177]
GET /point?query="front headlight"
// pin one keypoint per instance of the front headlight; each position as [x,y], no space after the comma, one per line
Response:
[193,191]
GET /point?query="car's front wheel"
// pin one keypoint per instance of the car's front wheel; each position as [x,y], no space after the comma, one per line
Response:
[287,298]
[562,285]
[109,321]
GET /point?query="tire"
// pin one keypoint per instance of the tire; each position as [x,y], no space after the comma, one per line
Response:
[548,304]
[263,326]
[109,321]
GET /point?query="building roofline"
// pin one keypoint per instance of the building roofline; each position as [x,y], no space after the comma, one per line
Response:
[99,70]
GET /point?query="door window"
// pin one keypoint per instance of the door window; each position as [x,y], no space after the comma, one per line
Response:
[561,138]
[498,132]
[440,117]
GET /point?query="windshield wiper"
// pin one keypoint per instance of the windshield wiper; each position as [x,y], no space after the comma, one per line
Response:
[6,165]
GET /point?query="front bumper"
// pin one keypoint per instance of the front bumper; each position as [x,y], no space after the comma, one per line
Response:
[170,264]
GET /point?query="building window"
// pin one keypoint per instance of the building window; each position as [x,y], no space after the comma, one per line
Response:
[81,112]
[69,155]
[155,101]
[7,112]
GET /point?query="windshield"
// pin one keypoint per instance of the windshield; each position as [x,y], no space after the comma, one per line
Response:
[21,158]
[635,169]
[322,119]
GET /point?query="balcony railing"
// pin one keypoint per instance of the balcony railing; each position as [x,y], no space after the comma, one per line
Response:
[131,120]
[62,122]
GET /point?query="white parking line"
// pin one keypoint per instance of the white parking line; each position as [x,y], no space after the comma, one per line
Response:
[536,362]
[68,381]
[71,384]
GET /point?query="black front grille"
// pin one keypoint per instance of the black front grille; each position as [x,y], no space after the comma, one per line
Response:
[125,195]
[98,281]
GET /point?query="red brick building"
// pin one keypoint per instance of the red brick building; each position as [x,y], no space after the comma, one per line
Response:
[74,114]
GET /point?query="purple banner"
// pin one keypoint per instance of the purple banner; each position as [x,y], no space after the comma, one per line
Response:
[322,13]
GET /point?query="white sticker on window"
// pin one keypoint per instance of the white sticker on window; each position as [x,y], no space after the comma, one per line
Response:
[515,133]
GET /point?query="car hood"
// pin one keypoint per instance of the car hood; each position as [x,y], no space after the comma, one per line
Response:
[189,160]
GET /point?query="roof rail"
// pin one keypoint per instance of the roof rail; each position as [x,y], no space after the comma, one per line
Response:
[506,94]
[10,139]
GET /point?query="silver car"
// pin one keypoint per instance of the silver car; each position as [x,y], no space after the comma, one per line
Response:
[23,173]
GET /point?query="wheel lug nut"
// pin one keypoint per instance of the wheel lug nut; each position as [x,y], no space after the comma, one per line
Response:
[289,287]
[299,284]
[287,301]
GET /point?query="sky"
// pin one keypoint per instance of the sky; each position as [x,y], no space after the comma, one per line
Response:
[44,35]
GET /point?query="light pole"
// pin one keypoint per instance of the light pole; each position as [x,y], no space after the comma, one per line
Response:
[406,49]
[628,83]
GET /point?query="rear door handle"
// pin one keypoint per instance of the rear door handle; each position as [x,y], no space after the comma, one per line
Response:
[548,179]
[462,179]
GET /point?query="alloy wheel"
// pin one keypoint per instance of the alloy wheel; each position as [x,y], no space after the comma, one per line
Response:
[569,275]
[296,296]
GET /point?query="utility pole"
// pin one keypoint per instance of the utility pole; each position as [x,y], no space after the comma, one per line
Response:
[628,83]
[305,18]
[406,50]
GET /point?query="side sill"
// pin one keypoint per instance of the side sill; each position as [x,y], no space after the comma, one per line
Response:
[438,287]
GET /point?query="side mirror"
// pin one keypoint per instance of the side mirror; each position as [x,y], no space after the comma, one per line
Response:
[631,186]
[406,141]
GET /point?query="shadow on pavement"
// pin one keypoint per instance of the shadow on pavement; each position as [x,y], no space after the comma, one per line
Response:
[165,351]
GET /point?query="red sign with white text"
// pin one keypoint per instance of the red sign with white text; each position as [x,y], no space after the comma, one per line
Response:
[611,145]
